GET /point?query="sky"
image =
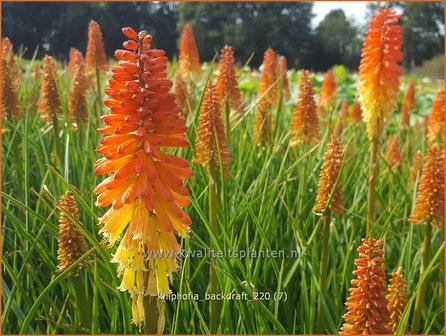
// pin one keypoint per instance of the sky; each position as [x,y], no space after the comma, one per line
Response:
[356,9]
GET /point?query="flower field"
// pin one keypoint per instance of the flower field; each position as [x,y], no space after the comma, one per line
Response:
[142,194]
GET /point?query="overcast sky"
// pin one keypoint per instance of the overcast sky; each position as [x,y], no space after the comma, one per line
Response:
[350,8]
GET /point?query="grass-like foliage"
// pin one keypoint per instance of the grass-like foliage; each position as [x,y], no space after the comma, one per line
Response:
[267,203]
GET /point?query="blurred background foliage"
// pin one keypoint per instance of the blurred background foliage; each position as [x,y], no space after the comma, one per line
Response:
[248,27]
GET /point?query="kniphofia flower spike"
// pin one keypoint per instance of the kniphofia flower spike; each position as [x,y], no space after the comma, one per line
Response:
[327,97]
[145,188]
[189,57]
[305,124]
[429,204]
[96,57]
[367,304]
[379,71]
[267,98]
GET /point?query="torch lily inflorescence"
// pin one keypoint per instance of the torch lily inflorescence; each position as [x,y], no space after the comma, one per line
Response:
[145,189]
[379,71]
[49,105]
[327,97]
[435,131]
[267,98]
[96,57]
[367,304]
[189,57]
[305,124]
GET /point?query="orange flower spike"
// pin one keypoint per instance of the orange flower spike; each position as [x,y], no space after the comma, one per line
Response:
[145,188]
[429,204]
[435,130]
[344,114]
[211,147]
[7,53]
[393,152]
[226,85]
[397,298]
[327,96]
[180,89]
[75,59]
[330,171]
[77,100]
[189,58]
[71,242]
[268,81]
[367,304]
[283,69]
[356,111]
[11,107]
[49,105]
[266,97]
[96,57]
[379,71]
[409,105]
[305,124]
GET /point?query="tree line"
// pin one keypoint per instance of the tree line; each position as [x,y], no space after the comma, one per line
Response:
[249,27]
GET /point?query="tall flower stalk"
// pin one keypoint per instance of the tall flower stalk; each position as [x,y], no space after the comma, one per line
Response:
[435,131]
[327,97]
[267,99]
[328,201]
[378,87]
[212,152]
[367,304]
[145,187]
[227,88]
[96,59]
[429,210]
[409,104]
[71,246]
[189,57]
[305,124]
[397,297]
[49,105]
[283,69]
[180,89]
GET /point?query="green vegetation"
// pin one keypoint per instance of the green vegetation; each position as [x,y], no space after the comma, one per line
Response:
[266,206]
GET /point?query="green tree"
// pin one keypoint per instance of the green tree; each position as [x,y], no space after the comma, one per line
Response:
[55,27]
[423,32]
[339,40]
[251,27]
